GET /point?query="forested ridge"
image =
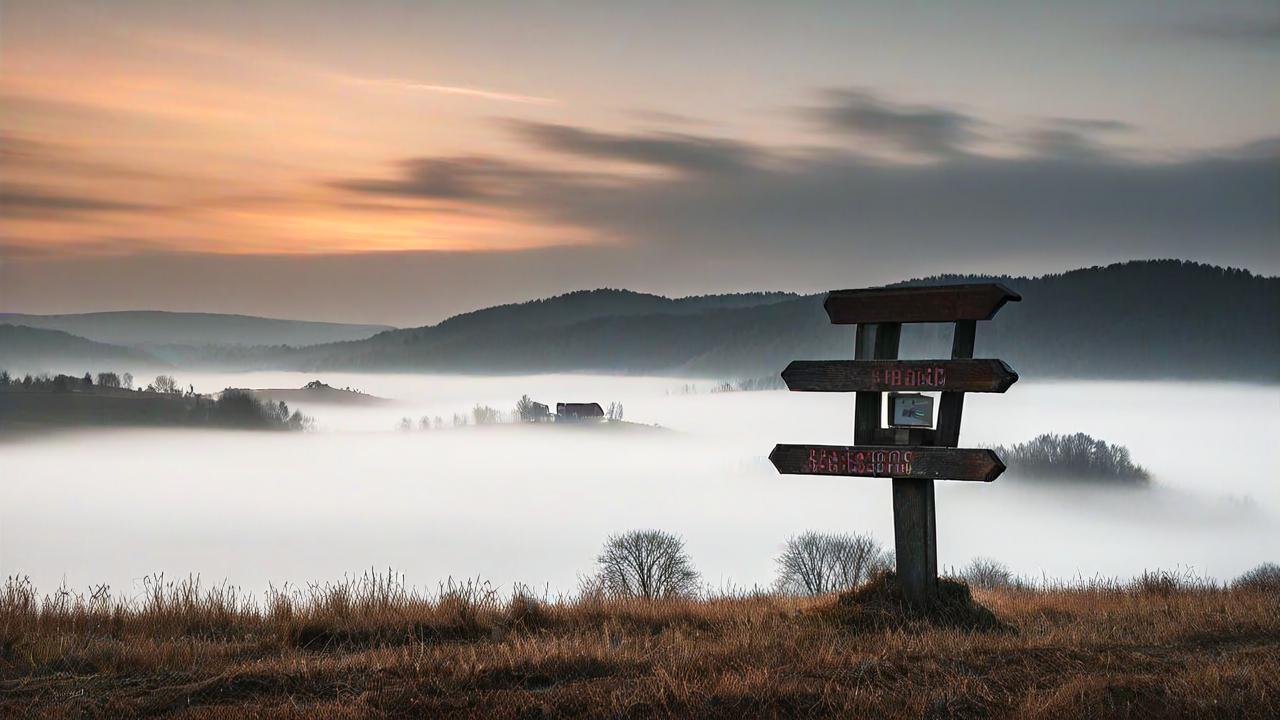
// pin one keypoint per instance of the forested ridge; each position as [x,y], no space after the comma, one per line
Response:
[1141,319]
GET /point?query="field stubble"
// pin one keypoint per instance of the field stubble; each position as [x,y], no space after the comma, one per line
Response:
[372,647]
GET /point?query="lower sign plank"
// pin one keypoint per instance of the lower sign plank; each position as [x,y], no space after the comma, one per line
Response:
[889,461]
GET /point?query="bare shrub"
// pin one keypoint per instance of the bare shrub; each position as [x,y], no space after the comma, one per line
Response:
[1168,582]
[815,563]
[1264,578]
[987,574]
[1075,456]
[485,415]
[647,564]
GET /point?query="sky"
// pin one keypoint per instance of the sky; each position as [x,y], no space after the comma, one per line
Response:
[399,162]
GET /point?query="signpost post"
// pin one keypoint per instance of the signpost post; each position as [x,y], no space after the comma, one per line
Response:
[912,456]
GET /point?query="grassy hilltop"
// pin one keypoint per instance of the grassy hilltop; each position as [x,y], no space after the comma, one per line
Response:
[1158,647]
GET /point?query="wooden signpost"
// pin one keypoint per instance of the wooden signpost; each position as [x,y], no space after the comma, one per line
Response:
[912,457]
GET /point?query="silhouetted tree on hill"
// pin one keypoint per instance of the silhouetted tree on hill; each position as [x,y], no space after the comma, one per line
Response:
[646,564]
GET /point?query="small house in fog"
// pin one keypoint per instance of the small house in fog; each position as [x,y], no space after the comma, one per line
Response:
[579,412]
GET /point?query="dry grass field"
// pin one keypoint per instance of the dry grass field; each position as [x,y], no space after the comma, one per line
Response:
[372,648]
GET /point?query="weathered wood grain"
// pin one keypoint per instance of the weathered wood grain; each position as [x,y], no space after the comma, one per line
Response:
[941,303]
[991,376]
[888,461]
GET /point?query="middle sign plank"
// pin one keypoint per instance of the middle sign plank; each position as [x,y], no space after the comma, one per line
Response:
[891,461]
[993,376]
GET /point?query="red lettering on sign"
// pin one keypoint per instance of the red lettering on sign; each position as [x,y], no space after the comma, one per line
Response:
[895,377]
[878,463]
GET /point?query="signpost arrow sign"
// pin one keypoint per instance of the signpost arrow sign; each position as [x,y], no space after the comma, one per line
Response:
[889,461]
[993,376]
[941,303]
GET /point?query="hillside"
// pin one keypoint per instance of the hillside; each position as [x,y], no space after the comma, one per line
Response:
[27,349]
[1147,319]
[316,393]
[154,327]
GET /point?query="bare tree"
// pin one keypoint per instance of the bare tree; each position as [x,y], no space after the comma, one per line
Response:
[614,413]
[165,384]
[646,564]
[126,381]
[815,563]
[485,415]
[525,409]
[1265,577]
[108,380]
[986,573]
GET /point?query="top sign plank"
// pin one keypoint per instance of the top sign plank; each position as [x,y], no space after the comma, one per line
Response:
[943,303]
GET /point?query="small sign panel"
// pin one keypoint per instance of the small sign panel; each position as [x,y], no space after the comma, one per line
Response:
[910,410]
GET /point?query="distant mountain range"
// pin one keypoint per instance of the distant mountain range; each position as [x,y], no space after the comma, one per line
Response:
[1142,319]
[155,327]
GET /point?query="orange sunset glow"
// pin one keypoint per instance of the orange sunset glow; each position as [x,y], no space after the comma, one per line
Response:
[464,154]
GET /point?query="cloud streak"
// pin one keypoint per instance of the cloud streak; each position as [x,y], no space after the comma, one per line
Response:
[921,129]
[30,202]
[1067,195]
[675,151]
[455,90]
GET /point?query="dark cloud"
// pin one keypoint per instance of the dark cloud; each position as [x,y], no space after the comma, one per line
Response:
[454,178]
[1263,148]
[922,129]
[675,151]
[21,155]
[1074,138]
[28,248]
[1261,30]
[662,117]
[19,149]
[1091,124]
[820,214]
[26,201]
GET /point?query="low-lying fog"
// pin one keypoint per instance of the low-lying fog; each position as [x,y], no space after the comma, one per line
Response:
[533,504]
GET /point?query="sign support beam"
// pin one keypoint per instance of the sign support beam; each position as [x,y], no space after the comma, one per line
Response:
[915,535]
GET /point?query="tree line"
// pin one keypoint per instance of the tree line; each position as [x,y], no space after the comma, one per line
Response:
[233,407]
[654,564]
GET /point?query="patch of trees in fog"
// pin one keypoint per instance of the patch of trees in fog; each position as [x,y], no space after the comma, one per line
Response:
[1073,457]
[110,398]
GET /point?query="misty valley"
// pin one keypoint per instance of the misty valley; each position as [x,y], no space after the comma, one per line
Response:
[394,472]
